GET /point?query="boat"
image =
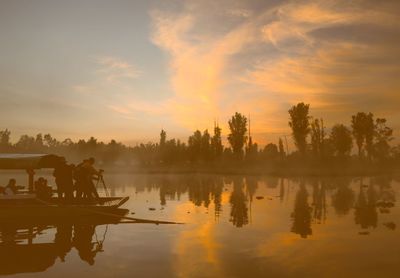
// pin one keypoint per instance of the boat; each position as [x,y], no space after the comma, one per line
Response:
[26,205]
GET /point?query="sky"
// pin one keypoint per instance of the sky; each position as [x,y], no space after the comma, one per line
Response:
[125,70]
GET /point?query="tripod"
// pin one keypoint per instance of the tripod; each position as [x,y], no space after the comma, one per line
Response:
[100,179]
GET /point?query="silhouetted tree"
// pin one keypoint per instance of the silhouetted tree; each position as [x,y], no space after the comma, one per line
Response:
[317,137]
[282,153]
[271,152]
[383,135]
[194,146]
[50,142]
[363,131]
[26,143]
[206,151]
[216,143]
[251,150]
[5,144]
[237,138]
[299,122]
[341,140]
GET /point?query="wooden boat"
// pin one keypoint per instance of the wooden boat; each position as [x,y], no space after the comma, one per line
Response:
[32,208]
[27,206]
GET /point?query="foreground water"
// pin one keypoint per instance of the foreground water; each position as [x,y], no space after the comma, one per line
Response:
[235,227]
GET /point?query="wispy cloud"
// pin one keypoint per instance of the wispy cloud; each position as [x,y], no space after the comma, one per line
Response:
[261,58]
[115,69]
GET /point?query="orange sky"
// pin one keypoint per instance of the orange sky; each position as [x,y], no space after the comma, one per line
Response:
[125,70]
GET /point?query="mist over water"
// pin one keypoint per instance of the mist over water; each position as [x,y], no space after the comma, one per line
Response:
[253,226]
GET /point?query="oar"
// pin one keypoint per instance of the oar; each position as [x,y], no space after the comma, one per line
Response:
[137,220]
[140,220]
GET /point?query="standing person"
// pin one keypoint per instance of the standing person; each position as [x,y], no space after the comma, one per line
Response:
[64,180]
[80,183]
[91,173]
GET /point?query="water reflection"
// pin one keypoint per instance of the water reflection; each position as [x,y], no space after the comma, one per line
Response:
[367,197]
[19,253]
[302,213]
[268,220]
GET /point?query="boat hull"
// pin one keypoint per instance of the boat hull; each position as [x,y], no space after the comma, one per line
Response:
[35,210]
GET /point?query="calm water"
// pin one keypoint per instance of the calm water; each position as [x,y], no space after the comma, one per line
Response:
[235,227]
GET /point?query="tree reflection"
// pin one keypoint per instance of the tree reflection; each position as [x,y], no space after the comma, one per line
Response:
[239,211]
[319,202]
[365,211]
[302,213]
[343,198]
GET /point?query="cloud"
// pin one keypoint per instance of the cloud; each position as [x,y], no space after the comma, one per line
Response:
[260,60]
[115,69]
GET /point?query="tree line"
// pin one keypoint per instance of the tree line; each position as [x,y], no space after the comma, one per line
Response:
[370,136]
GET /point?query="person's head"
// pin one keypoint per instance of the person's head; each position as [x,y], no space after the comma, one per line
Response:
[12,182]
[91,161]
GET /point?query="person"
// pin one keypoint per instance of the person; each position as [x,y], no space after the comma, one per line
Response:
[91,173]
[11,188]
[64,180]
[43,191]
[79,177]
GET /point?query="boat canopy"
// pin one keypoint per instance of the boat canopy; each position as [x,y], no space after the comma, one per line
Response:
[28,161]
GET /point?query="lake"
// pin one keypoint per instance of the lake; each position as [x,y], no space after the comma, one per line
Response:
[235,226]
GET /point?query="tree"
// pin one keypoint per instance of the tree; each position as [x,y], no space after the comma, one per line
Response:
[216,143]
[5,143]
[161,146]
[251,150]
[205,147]
[341,140]
[317,136]
[282,153]
[49,141]
[383,135]
[194,146]
[362,125]
[237,138]
[25,143]
[271,151]
[299,122]
[163,138]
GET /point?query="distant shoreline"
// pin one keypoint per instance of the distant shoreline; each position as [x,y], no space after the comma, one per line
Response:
[258,170]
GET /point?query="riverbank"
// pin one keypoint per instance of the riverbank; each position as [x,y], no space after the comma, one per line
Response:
[282,169]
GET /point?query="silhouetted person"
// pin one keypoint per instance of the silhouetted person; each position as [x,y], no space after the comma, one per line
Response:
[90,174]
[80,182]
[43,191]
[64,180]
[11,188]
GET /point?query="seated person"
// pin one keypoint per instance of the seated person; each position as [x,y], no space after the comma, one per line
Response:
[11,188]
[43,191]
[2,190]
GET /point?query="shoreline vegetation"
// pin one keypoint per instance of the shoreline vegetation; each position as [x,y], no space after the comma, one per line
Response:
[363,147]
